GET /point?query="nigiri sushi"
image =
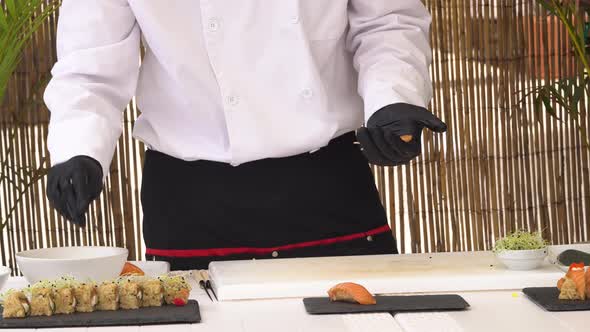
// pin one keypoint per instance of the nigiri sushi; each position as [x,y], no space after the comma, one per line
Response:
[108,296]
[86,297]
[575,278]
[15,305]
[42,301]
[351,292]
[588,283]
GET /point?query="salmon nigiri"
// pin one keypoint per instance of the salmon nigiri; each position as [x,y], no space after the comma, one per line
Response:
[351,292]
[588,283]
[577,277]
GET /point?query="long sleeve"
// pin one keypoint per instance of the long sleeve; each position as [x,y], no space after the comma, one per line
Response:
[392,53]
[98,46]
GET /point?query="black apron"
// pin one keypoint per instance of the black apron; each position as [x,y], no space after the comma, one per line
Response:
[313,204]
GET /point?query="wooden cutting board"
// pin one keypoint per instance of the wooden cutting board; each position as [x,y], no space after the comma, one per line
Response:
[167,314]
[381,274]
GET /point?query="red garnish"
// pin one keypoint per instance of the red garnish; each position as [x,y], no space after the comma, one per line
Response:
[179,302]
[576,266]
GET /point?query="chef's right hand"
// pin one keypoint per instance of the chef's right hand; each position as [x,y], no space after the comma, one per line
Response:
[73,185]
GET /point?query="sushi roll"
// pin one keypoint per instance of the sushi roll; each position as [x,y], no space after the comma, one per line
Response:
[130,294]
[64,297]
[176,290]
[15,305]
[42,301]
[86,297]
[153,293]
[65,300]
[108,296]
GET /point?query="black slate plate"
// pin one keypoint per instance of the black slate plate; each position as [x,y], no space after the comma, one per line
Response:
[547,298]
[393,304]
[167,314]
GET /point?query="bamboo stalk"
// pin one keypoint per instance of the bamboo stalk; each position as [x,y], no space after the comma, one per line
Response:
[437,240]
[528,173]
[516,126]
[422,231]
[401,211]
[127,199]
[137,194]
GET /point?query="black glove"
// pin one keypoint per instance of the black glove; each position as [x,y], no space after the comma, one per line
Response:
[73,185]
[386,138]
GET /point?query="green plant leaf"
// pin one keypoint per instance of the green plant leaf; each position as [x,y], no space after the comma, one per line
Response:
[11,7]
[548,5]
[538,107]
[548,107]
[23,18]
[579,92]
[3,20]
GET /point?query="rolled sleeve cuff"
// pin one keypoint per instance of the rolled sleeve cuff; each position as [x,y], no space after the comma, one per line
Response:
[413,90]
[90,137]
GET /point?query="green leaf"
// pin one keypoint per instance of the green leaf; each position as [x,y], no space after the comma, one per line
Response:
[548,107]
[545,4]
[538,106]
[565,86]
[3,20]
[11,6]
[23,19]
[576,99]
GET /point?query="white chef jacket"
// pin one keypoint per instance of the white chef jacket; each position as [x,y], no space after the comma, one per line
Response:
[231,81]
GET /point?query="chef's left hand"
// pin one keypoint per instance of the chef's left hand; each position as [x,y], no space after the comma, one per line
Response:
[382,141]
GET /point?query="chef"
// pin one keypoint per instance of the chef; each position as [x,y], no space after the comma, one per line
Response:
[249,111]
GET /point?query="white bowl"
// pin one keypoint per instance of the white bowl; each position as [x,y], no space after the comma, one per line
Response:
[522,260]
[84,263]
[4,274]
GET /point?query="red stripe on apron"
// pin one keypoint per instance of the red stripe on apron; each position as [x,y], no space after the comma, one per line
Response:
[260,251]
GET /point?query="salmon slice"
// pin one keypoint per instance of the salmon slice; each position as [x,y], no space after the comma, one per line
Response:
[131,270]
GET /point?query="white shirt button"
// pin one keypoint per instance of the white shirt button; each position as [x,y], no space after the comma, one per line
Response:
[370,238]
[213,24]
[307,93]
[275,254]
[233,100]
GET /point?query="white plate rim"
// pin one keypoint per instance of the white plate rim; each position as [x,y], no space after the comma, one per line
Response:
[20,256]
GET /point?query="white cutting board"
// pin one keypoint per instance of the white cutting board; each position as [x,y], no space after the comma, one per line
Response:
[382,274]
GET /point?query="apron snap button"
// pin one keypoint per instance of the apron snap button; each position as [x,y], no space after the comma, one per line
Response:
[275,254]
[370,238]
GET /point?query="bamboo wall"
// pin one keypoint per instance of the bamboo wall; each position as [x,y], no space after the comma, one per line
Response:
[499,168]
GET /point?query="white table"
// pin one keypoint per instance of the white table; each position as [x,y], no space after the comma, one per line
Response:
[490,311]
